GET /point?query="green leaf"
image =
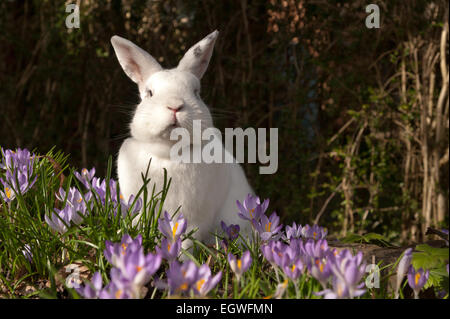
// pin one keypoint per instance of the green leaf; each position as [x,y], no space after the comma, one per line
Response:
[435,260]
[369,238]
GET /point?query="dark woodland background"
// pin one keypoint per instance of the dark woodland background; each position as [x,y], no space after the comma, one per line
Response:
[362,113]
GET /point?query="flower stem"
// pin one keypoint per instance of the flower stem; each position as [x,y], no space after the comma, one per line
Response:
[276,273]
[297,292]
[235,286]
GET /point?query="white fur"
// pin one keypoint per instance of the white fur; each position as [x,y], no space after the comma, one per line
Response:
[207,193]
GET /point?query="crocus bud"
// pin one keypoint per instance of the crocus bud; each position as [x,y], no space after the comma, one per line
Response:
[402,269]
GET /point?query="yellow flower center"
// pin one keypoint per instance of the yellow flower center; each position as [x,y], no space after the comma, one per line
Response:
[174,230]
[200,284]
[183,287]
[168,247]
[416,279]
[8,192]
[138,268]
[251,211]
[239,264]
[118,294]
[268,226]
[121,196]
[340,291]
[314,235]
[321,267]
[124,248]
[79,201]
[293,268]
[285,282]
[84,171]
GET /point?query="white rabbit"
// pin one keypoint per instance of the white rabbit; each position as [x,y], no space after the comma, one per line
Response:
[207,193]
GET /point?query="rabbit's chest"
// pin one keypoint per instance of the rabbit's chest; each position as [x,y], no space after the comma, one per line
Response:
[198,188]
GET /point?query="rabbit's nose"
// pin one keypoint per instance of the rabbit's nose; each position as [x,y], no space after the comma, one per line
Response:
[175,107]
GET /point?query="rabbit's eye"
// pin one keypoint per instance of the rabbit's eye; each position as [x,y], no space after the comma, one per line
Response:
[149,93]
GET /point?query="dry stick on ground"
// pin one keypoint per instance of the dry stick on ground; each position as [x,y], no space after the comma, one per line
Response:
[432,231]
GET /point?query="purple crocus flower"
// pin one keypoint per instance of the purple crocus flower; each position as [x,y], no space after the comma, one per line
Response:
[85,177]
[289,259]
[273,251]
[316,249]
[59,220]
[138,268]
[75,203]
[298,246]
[91,290]
[417,279]
[74,211]
[100,187]
[293,231]
[268,227]
[172,229]
[231,231]
[240,266]
[132,270]
[281,289]
[205,281]
[181,278]
[402,269]
[279,254]
[17,181]
[116,252]
[19,172]
[67,213]
[289,256]
[20,159]
[340,290]
[126,206]
[169,250]
[118,288]
[252,208]
[294,268]
[321,270]
[315,232]
[26,251]
[8,192]
[349,270]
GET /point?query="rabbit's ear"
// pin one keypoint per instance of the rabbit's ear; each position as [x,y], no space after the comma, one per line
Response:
[137,64]
[197,58]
